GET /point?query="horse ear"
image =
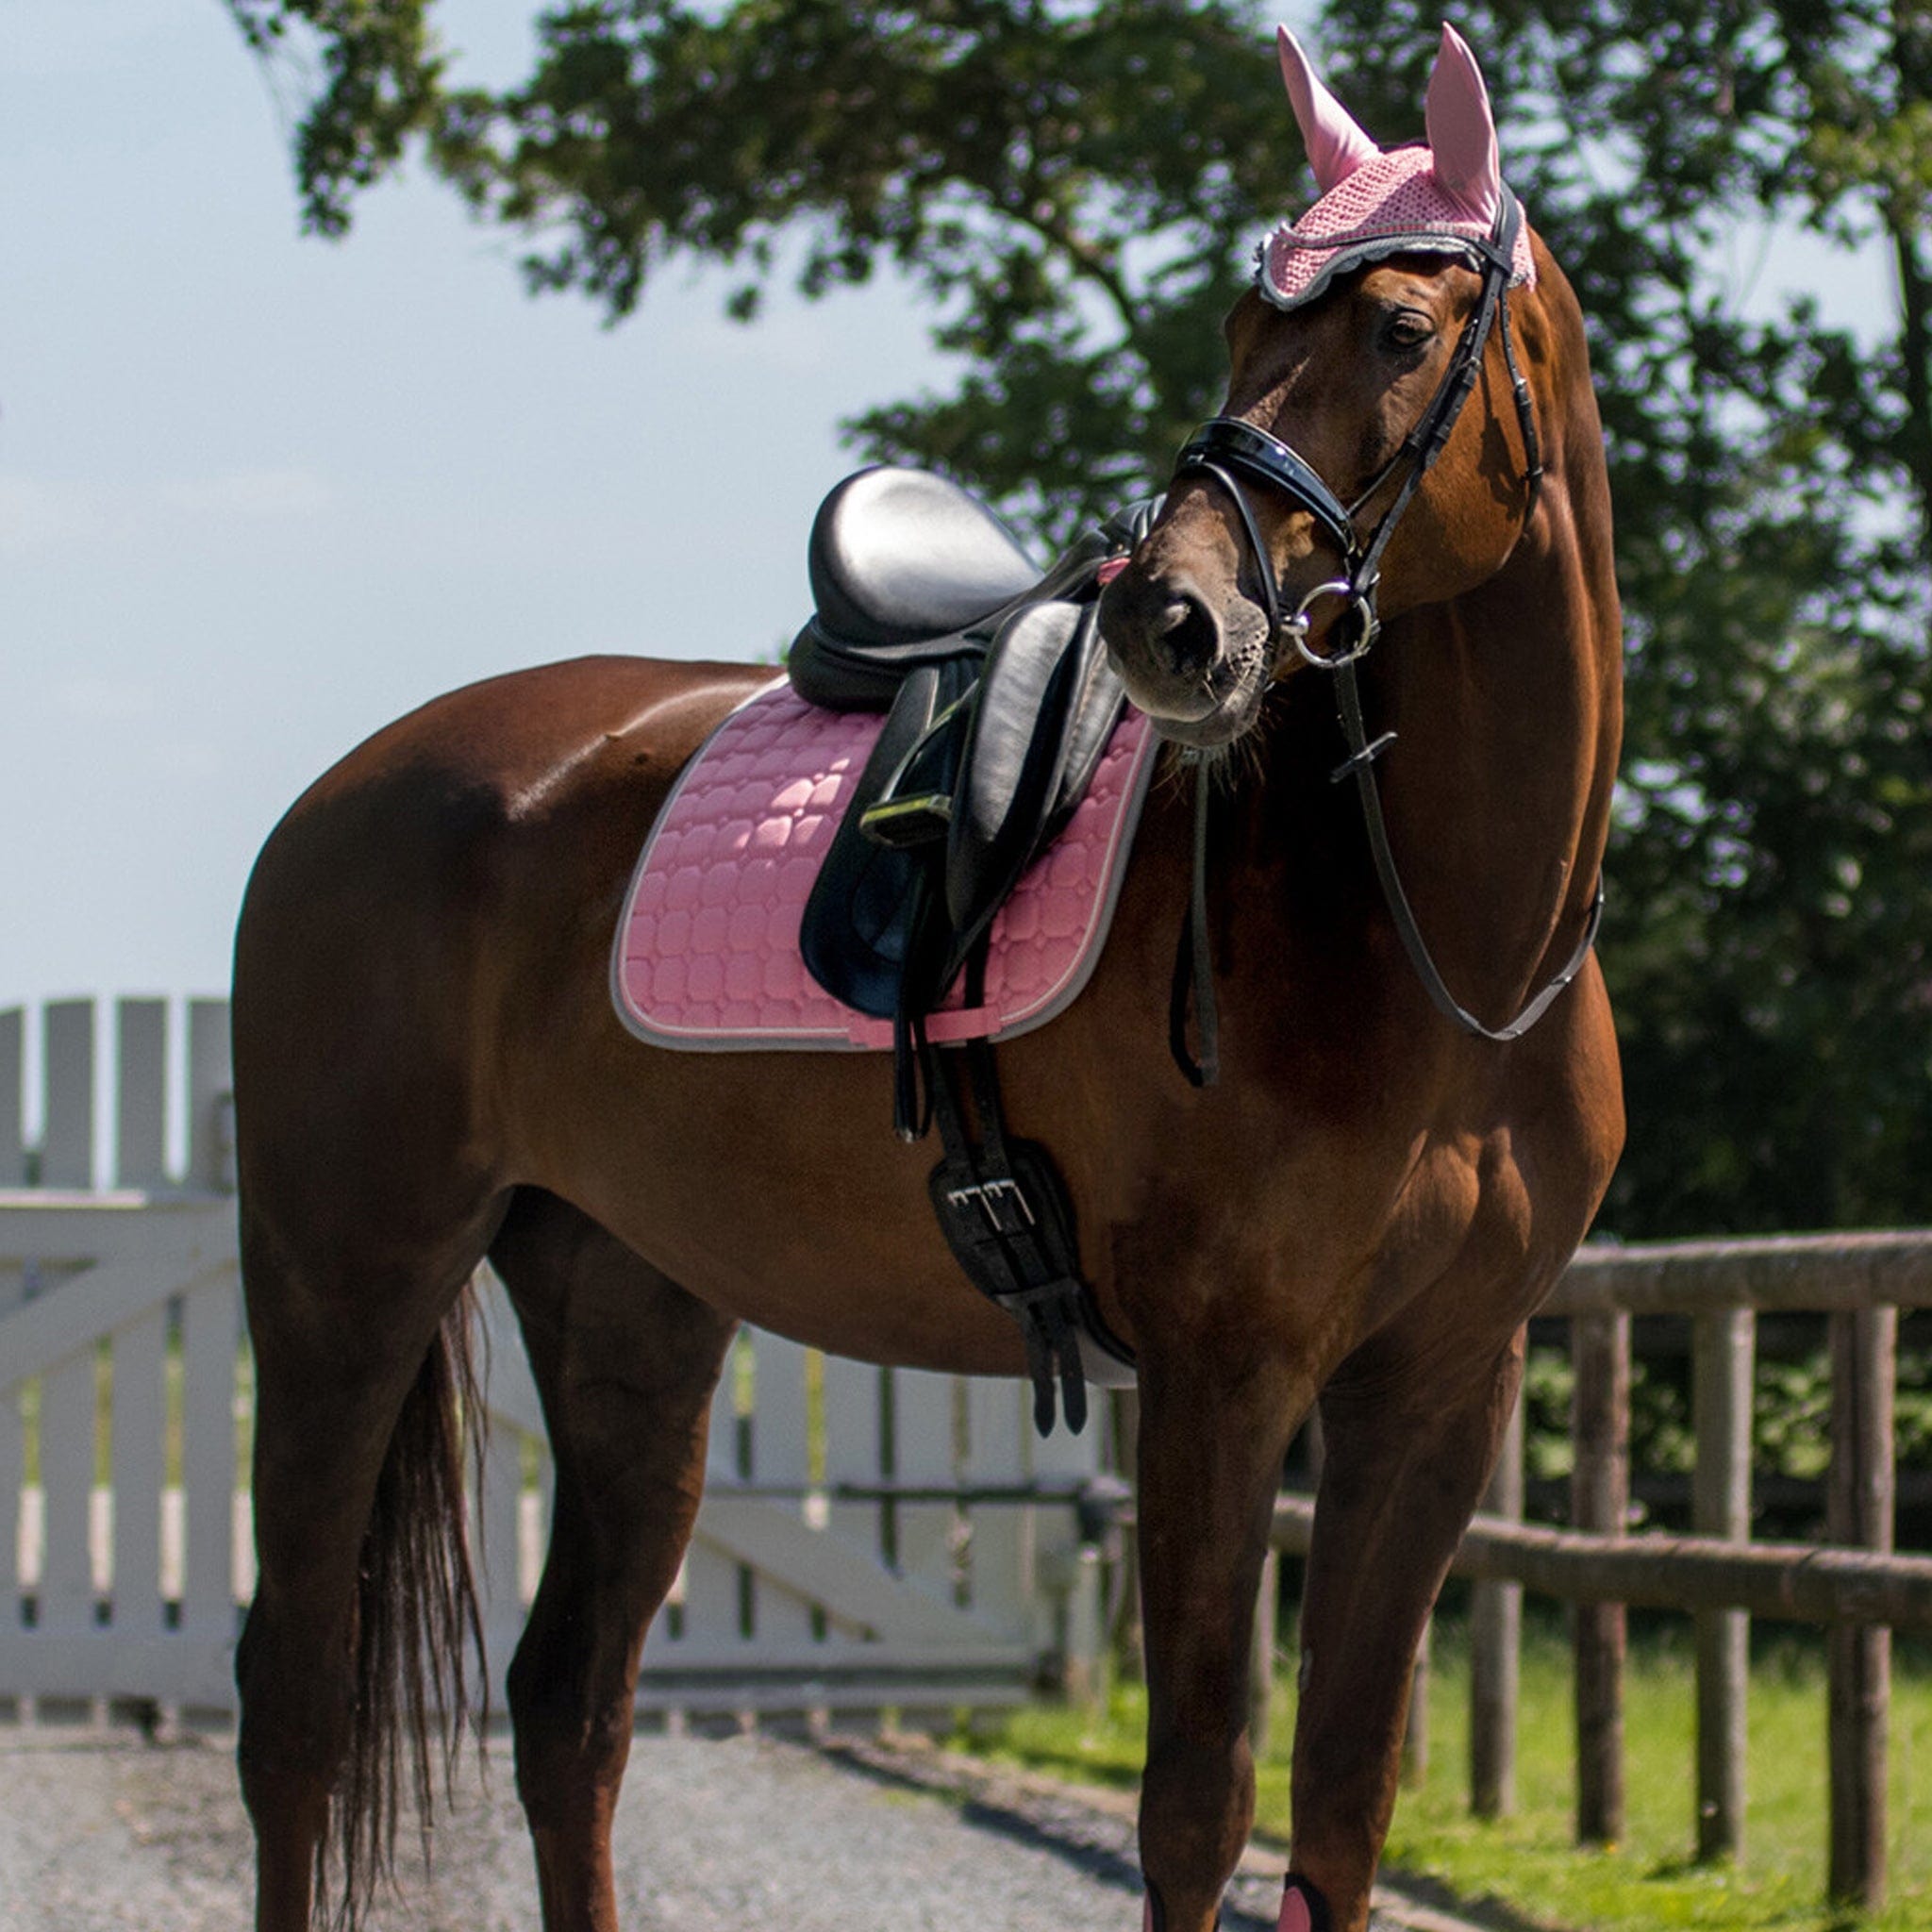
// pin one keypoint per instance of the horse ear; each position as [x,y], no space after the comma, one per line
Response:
[1337,147]
[1462,131]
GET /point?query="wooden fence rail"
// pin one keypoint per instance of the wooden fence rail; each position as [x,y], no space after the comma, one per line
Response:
[1854,1585]
[1797,1583]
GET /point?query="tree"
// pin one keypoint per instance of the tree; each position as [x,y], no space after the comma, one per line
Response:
[1072,188]
[1076,189]
[1771,942]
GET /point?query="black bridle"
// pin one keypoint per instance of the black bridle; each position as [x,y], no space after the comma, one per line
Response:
[1234,453]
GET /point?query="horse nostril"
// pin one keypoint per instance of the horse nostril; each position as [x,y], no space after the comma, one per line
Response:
[1191,634]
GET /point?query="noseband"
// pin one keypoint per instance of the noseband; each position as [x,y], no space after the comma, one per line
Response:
[1228,450]
[1234,453]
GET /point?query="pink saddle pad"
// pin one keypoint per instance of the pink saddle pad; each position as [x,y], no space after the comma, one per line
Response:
[706,953]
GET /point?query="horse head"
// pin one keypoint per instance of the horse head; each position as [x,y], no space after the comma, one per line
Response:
[1345,481]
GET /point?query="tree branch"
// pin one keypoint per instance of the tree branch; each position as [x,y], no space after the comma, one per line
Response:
[1915,348]
[1088,259]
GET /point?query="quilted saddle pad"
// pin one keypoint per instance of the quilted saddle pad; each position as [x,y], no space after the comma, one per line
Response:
[706,954]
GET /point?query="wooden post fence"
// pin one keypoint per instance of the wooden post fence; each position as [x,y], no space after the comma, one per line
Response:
[1723,1363]
[1864,1359]
[1496,1646]
[1600,1501]
[1854,1584]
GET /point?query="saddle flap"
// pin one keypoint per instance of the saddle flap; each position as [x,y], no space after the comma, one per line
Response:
[898,556]
[862,921]
[1046,706]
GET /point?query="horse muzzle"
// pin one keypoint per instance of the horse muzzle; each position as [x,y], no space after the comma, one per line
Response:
[1197,666]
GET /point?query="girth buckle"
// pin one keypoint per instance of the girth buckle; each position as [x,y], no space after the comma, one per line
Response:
[1001,1200]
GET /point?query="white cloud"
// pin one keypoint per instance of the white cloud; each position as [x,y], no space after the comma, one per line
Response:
[38,516]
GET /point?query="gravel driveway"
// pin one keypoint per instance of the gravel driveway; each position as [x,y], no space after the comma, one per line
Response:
[99,1830]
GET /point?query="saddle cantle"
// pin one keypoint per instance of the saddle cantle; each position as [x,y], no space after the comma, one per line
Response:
[903,565]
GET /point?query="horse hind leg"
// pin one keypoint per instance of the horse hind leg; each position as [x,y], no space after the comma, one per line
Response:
[625,1364]
[361,1371]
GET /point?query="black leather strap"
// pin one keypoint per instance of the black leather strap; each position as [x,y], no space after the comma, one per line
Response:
[1225,442]
[1193,959]
[1360,764]
[1006,1215]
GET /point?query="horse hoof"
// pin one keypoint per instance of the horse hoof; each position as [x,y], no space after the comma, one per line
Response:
[1302,1908]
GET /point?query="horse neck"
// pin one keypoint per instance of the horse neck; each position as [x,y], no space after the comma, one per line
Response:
[1505,705]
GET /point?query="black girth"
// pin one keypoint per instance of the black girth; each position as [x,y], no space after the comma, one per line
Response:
[1234,453]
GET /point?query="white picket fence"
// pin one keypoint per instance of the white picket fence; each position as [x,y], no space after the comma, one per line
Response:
[870,1540]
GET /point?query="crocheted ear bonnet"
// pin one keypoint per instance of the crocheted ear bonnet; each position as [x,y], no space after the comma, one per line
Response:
[1435,199]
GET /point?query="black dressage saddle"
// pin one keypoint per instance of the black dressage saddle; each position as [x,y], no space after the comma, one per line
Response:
[999,703]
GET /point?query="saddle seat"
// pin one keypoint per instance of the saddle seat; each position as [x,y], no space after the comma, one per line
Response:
[903,564]
[1000,703]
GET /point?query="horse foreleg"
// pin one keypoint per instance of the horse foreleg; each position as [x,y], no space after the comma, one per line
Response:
[1411,1424]
[626,1362]
[1210,1454]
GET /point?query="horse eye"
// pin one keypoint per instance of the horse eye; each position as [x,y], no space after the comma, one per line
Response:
[1407,328]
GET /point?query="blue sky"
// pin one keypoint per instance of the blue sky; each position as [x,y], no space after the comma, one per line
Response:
[259,494]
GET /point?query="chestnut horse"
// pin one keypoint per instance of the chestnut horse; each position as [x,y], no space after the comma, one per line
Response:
[1362,1212]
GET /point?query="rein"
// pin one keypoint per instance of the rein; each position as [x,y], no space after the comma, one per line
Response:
[1229,451]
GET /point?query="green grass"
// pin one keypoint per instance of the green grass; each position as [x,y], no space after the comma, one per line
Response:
[1529,1862]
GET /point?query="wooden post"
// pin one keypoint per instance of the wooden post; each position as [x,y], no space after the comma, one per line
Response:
[210,1085]
[1864,1360]
[141,1111]
[211,1333]
[67,1074]
[1072,1580]
[1415,1738]
[1495,1643]
[1599,1500]
[925,1535]
[1262,1662]
[1723,1354]
[13,1095]
[1124,1641]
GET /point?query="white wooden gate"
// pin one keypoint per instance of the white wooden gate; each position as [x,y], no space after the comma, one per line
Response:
[869,1539]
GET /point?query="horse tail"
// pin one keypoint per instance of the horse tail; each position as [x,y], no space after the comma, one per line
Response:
[417,1617]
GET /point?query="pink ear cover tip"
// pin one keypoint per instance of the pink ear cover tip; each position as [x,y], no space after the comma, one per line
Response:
[1337,145]
[1462,129]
